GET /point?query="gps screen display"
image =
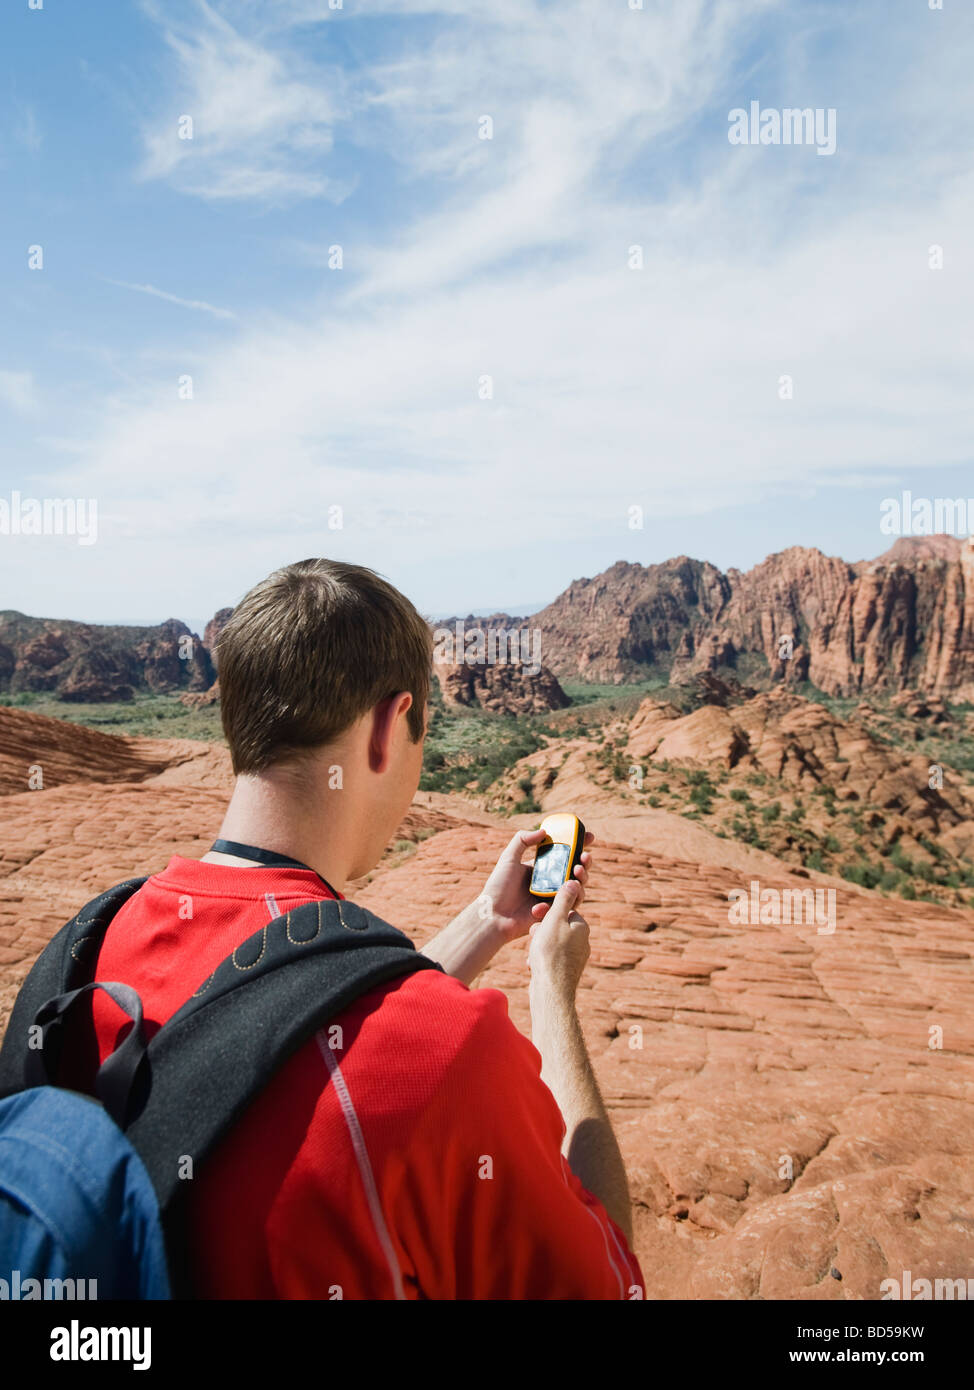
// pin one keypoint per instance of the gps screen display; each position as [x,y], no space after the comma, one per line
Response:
[550,868]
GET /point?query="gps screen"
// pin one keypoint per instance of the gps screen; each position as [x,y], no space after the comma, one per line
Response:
[550,867]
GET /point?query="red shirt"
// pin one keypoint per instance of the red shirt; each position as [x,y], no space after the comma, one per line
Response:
[419,1159]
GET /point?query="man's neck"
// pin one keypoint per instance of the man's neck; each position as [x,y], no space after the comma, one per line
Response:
[271,812]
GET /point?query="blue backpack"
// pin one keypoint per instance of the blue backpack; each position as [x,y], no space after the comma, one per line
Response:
[78,1214]
[93,1188]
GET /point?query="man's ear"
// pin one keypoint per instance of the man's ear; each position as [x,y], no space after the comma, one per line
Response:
[387,713]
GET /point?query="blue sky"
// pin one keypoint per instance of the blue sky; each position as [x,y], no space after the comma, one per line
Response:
[465,258]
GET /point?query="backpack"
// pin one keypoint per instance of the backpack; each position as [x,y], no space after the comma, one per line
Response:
[93,1188]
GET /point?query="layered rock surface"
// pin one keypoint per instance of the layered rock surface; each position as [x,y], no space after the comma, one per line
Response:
[778,1104]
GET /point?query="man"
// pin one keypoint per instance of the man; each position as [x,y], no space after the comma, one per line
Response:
[424,1155]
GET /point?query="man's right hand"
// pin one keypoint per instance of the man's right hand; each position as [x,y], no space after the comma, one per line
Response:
[559,945]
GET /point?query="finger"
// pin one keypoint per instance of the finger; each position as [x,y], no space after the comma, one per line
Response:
[590,837]
[523,840]
[567,896]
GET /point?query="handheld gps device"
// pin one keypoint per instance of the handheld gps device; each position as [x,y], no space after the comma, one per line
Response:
[557,854]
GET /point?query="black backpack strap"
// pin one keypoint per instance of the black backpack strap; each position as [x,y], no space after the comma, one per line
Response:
[65,964]
[226,1043]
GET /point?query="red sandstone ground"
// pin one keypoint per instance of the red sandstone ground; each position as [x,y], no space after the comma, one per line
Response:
[765,1050]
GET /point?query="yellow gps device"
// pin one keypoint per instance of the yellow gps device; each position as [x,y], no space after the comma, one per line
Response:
[557,854]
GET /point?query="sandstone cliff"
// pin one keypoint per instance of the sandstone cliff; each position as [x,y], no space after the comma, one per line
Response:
[905,620]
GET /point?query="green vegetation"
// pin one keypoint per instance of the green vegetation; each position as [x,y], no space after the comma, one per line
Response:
[865,874]
[469,750]
[144,716]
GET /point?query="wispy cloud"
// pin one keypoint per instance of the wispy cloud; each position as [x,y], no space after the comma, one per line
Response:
[18,390]
[199,304]
[246,122]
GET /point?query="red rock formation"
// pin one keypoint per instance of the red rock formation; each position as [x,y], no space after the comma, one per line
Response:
[906,619]
[502,688]
[89,661]
[803,745]
[630,621]
[213,629]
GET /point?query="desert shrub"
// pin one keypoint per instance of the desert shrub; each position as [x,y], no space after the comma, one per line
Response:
[863,873]
[815,861]
[700,797]
[739,794]
[700,779]
[772,812]
[901,861]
